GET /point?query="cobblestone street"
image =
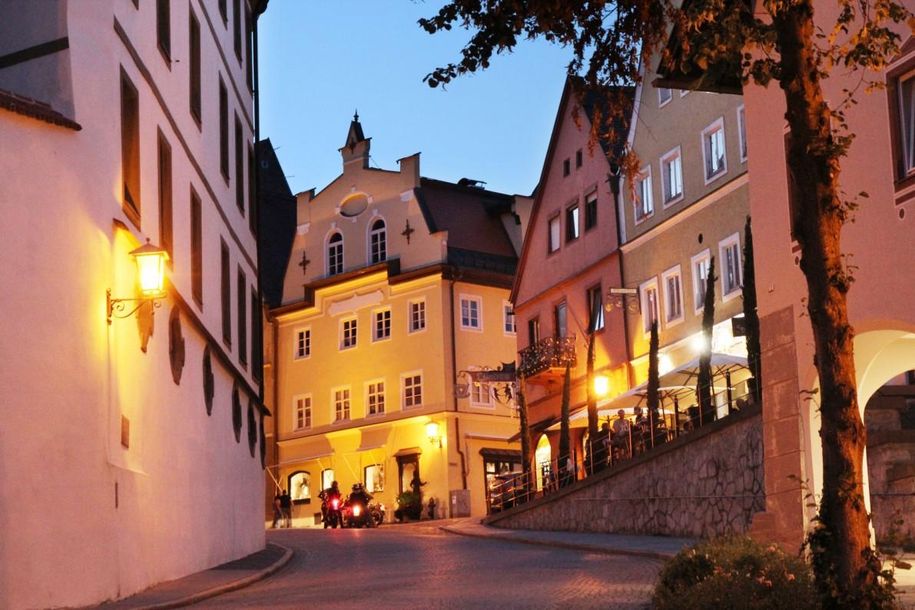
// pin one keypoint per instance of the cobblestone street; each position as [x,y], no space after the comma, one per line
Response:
[422,567]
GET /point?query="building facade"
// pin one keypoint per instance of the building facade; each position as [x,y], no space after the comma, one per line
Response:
[396,290]
[130,445]
[569,261]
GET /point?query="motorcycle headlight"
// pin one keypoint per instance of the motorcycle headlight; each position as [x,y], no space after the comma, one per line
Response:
[356,510]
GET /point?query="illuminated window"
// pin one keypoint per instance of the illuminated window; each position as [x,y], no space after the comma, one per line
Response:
[300,487]
[412,390]
[374,478]
[713,150]
[700,265]
[327,478]
[573,229]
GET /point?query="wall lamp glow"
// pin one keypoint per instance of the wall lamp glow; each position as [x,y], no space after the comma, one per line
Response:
[601,385]
[432,431]
[150,261]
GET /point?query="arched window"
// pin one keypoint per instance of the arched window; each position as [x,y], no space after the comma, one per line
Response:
[335,254]
[378,242]
[300,486]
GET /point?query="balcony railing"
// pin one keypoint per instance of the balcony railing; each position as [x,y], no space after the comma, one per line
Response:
[547,354]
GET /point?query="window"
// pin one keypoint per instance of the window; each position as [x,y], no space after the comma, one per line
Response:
[673,295]
[226,284]
[672,174]
[341,403]
[378,242]
[566,168]
[553,234]
[302,409]
[196,249]
[533,331]
[194,67]
[164,29]
[578,158]
[242,314]
[223,130]
[300,487]
[412,390]
[471,313]
[302,343]
[417,316]
[382,327]
[239,167]
[700,265]
[327,478]
[572,227]
[664,96]
[713,150]
[130,149]
[591,211]
[374,478]
[644,206]
[165,195]
[595,308]
[374,397]
[649,297]
[508,318]
[236,29]
[348,333]
[730,266]
[561,320]
[742,132]
[480,394]
[335,254]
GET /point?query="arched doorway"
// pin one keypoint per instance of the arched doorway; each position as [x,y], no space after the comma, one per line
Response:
[542,458]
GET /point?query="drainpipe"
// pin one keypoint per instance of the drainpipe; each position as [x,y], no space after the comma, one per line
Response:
[614,179]
[454,374]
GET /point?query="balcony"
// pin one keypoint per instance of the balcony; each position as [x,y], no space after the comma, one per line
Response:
[546,360]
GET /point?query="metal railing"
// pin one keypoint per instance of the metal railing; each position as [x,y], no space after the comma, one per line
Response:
[552,352]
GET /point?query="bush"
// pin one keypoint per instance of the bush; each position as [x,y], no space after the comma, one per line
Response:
[735,572]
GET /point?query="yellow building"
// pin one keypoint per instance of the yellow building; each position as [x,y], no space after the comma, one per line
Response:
[396,287]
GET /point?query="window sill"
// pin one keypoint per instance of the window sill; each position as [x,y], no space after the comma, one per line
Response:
[716,176]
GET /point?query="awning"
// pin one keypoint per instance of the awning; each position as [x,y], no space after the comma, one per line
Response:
[305,449]
[373,438]
[408,451]
[505,455]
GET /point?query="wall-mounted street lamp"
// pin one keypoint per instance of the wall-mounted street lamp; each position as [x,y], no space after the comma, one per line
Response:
[601,386]
[150,261]
[432,431]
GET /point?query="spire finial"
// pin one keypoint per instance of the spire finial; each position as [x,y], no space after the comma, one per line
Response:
[356,115]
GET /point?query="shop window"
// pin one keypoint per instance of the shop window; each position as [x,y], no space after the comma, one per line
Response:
[300,487]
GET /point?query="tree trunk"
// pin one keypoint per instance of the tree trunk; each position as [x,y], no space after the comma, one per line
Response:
[565,444]
[844,564]
[592,403]
[525,436]
[653,400]
[750,313]
[704,383]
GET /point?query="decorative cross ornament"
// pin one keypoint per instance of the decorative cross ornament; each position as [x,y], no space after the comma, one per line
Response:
[408,231]
[304,263]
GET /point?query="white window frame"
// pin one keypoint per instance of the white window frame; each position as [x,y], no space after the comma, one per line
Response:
[421,306]
[906,122]
[644,289]
[573,221]
[481,395]
[684,92]
[344,322]
[742,133]
[698,281]
[717,126]
[376,337]
[601,321]
[383,232]
[723,246]
[509,321]
[305,332]
[346,400]
[670,95]
[371,385]
[668,158]
[550,243]
[403,389]
[327,254]
[640,191]
[470,298]
[665,287]
[307,413]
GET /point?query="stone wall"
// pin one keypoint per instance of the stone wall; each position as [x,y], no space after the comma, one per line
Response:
[706,483]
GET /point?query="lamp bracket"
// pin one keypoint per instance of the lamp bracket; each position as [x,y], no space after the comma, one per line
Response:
[117,307]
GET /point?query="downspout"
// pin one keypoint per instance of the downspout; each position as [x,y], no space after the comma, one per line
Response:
[454,374]
[614,179]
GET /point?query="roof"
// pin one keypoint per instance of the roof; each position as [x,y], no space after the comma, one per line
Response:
[42,111]
[472,218]
[277,217]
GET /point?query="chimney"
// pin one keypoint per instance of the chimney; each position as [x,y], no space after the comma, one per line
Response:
[409,166]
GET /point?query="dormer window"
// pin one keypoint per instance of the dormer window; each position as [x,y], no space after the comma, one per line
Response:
[335,254]
[378,241]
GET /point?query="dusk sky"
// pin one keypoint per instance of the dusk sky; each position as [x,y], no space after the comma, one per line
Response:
[320,60]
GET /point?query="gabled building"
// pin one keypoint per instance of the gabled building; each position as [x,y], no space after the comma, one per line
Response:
[130,444]
[569,261]
[396,290]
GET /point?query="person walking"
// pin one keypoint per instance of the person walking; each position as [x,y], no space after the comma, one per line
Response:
[277,508]
[286,508]
[621,434]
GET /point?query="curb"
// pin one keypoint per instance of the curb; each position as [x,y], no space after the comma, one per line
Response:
[230,586]
[575,546]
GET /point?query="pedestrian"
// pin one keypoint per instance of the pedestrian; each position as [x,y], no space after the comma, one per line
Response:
[286,508]
[621,436]
[277,509]
[601,447]
[639,431]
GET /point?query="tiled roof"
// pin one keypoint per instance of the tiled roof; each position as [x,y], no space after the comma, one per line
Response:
[36,110]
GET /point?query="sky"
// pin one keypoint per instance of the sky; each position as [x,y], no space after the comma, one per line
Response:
[321,60]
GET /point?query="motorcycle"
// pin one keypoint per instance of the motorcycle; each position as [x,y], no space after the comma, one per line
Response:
[357,514]
[376,511]
[332,512]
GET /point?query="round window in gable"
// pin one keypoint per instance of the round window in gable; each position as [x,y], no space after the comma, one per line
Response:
[354,205]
